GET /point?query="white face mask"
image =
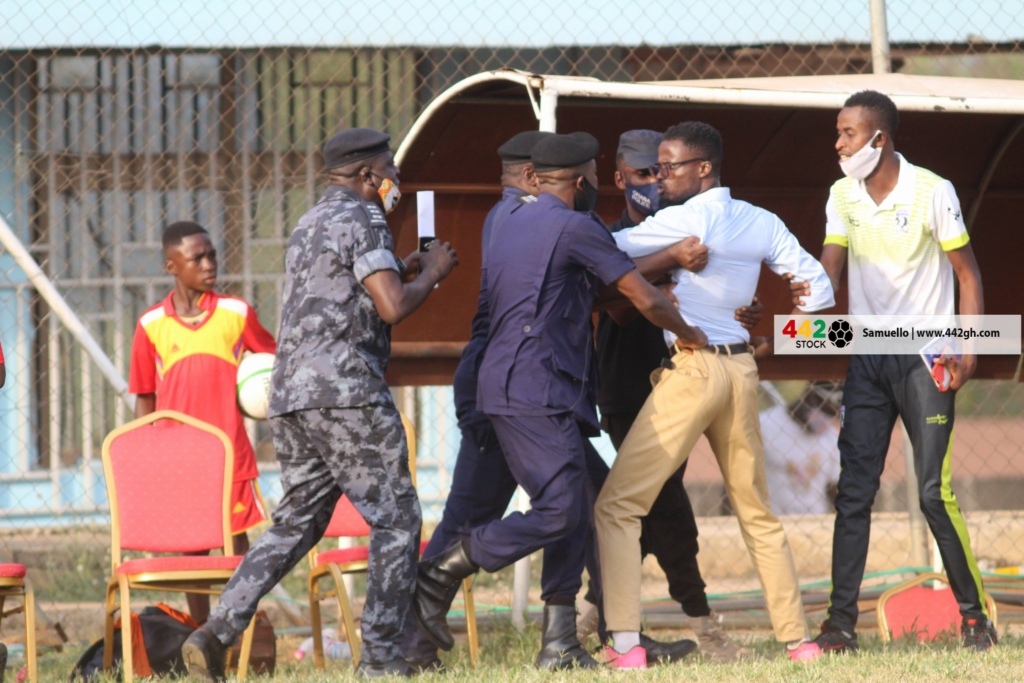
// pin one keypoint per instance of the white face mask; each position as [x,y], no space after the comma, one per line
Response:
[864,161]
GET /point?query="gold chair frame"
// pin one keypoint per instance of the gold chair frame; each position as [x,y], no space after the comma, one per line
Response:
[14,587]
[337,571]
[883,620]
[198,581]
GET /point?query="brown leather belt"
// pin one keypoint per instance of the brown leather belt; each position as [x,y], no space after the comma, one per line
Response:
[729,349]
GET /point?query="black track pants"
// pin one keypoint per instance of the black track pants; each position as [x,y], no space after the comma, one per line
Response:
[878,390]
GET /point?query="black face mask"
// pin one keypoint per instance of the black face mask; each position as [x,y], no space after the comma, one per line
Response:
[585,199]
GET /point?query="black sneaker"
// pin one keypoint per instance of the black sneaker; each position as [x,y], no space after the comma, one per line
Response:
[835,640]
[659,652]
[978,634]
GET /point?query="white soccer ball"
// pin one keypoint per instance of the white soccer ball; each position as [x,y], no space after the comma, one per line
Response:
[254,385]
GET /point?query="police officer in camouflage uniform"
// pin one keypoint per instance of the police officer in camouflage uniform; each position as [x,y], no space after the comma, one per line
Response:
[335,427]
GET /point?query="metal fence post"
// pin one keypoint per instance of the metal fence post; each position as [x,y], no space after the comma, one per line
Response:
[880,63]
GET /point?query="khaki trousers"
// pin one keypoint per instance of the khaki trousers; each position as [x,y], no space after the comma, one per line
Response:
[715,395]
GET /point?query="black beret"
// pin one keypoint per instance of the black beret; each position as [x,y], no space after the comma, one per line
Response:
[555,152]
[354,144]
[639,148]
[518,147]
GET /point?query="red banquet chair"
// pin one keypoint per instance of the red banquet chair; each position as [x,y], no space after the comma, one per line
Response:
[13,585]
[346,522]
[169,487]
[912,608]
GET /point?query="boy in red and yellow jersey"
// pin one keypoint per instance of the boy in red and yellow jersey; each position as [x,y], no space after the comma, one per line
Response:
[185,357]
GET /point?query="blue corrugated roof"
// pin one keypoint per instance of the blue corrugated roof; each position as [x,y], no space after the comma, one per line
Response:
[530,23]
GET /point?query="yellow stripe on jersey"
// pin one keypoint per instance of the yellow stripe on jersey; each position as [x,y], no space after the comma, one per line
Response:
[956,242]
[219,336]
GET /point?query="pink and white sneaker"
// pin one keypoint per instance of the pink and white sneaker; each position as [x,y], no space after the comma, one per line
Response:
[804,652]
[636,658]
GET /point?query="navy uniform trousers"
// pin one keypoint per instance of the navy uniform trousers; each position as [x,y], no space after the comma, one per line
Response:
[482,488]
[879,389]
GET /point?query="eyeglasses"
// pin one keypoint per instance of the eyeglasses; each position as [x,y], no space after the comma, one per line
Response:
[669,166]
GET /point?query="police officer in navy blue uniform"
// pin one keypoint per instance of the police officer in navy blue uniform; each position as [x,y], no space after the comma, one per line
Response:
[482,484]
[537,385]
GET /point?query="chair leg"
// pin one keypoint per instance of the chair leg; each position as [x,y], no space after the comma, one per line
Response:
[347,616]
[126,630]
[243,656]
[315,622]
[108,632]
[30,634]
[470,606]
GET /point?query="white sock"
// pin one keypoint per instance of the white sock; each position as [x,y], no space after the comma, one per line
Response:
[797,643]
[624,641]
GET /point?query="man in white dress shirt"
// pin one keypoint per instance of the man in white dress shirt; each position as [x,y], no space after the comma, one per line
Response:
[710,391]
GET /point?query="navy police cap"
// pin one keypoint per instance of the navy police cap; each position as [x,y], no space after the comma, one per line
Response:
[354,144]
[556,152]
[639,148]
[517,149]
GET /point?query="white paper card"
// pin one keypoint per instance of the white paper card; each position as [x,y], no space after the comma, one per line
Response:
[425,214]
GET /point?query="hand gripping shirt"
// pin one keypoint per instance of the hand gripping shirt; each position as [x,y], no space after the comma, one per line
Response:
[193,368]
[333,346]
[739,237]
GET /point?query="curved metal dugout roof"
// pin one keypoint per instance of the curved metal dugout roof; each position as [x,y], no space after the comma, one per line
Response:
[779,135]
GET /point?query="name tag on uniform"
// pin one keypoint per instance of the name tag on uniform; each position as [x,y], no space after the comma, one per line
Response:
[902,220]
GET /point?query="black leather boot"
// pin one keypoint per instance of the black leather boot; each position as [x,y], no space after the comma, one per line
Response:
[437,583]
[559,646]
[204,655]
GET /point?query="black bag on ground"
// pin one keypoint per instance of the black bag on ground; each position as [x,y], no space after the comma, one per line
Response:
[163,636]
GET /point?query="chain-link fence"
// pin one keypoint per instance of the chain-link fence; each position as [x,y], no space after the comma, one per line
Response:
[119,118]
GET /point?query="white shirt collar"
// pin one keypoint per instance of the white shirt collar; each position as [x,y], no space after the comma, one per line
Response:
[715,194]
[902,194]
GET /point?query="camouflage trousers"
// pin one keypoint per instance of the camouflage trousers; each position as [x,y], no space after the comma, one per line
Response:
[362,453]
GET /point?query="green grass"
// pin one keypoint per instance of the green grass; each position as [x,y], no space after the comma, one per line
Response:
[508,655]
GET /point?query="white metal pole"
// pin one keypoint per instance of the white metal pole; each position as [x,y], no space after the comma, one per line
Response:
[548,108]
[60,308]
[880,63]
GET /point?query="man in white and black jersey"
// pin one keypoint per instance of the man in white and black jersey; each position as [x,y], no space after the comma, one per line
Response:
[903,232]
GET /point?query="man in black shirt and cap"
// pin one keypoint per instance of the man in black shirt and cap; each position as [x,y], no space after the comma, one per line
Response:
[626,356]
[537,386]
